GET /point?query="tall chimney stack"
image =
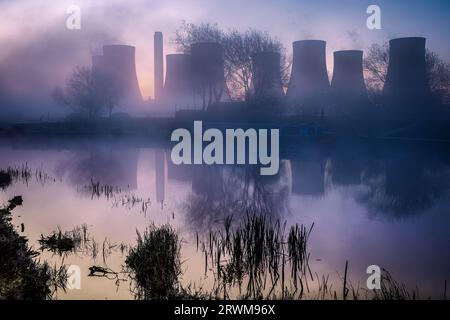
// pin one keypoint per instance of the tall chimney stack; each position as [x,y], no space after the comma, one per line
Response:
[158,65]
[309,85]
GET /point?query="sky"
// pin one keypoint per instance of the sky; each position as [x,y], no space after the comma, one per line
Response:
[37,51]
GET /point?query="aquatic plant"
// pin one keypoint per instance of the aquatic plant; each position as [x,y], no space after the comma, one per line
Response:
[154,263]
[5,179]
[391,289]
[60,242]
[256,252]
[23,173]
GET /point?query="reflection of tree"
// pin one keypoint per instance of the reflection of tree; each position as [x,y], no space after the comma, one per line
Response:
[219,192]
[104,165]
[403,189]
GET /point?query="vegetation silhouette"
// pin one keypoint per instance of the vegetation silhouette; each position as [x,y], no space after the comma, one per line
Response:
[22,276]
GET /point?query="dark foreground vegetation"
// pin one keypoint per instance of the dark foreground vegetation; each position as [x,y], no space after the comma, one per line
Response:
[252,259]
[22,276]
[154,263]
[249,257]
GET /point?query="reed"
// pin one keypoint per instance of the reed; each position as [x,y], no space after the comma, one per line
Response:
[23,173]
[252,256]
[391,289]
[154,263]
[64,242]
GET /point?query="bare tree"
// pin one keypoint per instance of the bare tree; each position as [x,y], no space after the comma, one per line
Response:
[88,93]
[189,33]
[239,47]
[438,75]
[376,64]
[107,92]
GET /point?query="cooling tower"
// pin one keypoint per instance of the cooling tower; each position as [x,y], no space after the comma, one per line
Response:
[119,61]
[208,74]
[309,85]
[178,89]
[347,86]
[406,79]
[266,77]
[158,64]
[97,63]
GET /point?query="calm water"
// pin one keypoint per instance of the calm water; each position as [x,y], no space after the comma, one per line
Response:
[385,204]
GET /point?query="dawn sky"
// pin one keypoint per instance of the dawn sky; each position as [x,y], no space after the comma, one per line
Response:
[34,30]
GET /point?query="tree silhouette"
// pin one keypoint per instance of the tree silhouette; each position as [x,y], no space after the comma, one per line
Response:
[376,64]
[88,93]
[239,47]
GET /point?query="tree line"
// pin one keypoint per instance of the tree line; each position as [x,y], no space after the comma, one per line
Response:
[92,94]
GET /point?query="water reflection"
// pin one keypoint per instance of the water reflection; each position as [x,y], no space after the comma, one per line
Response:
[394,181]
[340,187]
[402,187]
[221,191]
[103,164]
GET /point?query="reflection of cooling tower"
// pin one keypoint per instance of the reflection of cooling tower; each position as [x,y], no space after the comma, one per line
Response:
[159,64]
[347,86]
[346,171]
[178,90]
[309,85]
[120,65]
[208,74]
[406,79]
[266,80]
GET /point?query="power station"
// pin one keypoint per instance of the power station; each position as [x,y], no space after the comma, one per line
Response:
[208,76]
[97,63]
[196,81]
[406,80]
[266,77]
[348,89]
[309,86]
[119,64]
[178,87]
